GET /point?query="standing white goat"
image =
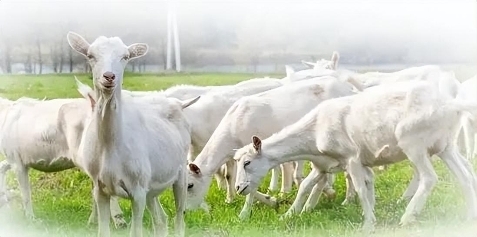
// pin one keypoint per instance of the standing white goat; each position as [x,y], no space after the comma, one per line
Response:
[34,134]
[381,126]
[264,113]
[131,148]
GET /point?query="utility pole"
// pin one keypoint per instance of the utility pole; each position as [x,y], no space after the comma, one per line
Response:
[172,38]
[169,37]
[177,51]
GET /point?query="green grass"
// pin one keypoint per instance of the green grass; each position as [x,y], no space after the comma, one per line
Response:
[62,201]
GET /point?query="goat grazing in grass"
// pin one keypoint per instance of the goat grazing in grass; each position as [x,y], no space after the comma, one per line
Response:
[263,113]
[382,125]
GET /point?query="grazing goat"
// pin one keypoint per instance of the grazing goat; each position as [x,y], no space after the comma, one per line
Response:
[134,148]
[444,81]
[207,113]
[264,113]
[383,125]
[34,135]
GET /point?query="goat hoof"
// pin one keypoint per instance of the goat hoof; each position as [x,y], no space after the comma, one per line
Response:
[271,190]
[368,228]
[120,223]
[345,202]
[408,221]
[298,181]
[229,200]
[92,220]
[244,215]
[403,199]
[286,216]
[330,194]
[3,199]
[31,216]
[275,203]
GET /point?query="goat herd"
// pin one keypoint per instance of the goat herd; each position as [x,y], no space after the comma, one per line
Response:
[135,144]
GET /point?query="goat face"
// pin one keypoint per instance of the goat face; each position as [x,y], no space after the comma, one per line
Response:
[107,57]
[252,166]
[197,187]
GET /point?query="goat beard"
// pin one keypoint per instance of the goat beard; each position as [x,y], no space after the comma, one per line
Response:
[106,99]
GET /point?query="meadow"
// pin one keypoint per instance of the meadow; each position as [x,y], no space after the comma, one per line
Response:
[62,201]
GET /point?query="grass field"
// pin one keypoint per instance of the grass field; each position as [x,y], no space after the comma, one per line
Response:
[62,201]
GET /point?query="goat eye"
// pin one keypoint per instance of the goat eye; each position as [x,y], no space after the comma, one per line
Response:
[190,186]
[246,163]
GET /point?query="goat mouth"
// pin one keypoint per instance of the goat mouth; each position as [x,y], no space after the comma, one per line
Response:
[108,86]
[240,191]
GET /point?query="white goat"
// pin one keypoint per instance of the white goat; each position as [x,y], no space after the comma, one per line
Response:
[323,63]
[206,115]
[445,80]
[181,92]
[33,134]
[468,91]
[263,113]
[376,127]
[131,148]
[322,67]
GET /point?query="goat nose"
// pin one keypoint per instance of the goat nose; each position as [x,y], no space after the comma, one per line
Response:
[237,188]
[109,76]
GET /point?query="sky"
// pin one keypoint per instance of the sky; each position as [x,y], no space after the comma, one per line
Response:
[438,27]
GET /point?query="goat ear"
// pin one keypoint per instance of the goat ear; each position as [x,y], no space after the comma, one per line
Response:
[290,72]
[194,168]
[257,144]
[86,92]
[190,102]
[335,58]
[137,50]
[308,64]
[78,43]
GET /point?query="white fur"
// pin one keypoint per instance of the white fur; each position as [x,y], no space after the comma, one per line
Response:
[322,67]
[134,148]
[445,81]
[182,92]
[468,92]
[34,134]
[206,115]
[383,125]
[263,114]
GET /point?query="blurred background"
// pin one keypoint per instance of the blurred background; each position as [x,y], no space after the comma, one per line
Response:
[245,36]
